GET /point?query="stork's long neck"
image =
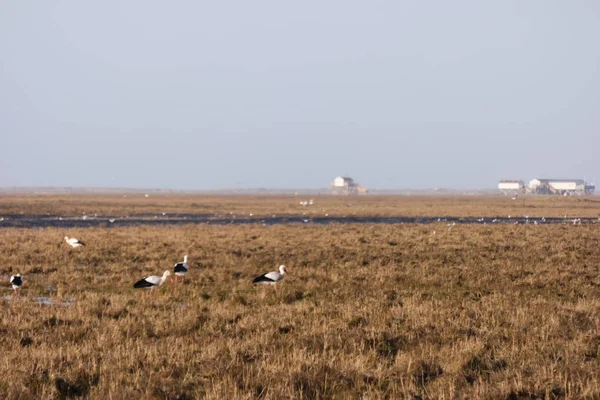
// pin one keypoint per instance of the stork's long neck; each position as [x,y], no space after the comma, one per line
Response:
[185,259]
[163,278]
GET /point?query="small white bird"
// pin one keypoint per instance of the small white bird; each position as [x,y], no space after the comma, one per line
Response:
[73,242]
[152,281]
[271,278]
[16,281]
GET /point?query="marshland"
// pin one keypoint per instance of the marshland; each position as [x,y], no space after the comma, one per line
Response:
[415,311]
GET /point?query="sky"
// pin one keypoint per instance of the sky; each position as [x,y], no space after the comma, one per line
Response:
[274,94]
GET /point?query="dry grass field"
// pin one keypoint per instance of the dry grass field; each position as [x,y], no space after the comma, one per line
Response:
[366,311]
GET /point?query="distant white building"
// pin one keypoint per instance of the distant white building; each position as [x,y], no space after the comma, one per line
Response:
[511,186]
[564,187]
[344,185]
[343,181]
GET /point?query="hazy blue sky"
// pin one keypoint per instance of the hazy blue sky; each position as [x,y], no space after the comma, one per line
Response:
[211,94]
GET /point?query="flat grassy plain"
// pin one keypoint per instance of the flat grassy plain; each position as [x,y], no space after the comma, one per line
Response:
[366,311]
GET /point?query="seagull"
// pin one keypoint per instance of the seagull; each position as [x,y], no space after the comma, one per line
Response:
[180,269]
[17,282]
[73,242]
[271,278]
[150,282]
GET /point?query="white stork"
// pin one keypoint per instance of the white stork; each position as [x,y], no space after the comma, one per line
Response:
[73,242]
[16,281]
[152,281]
[180,269]
[271,278]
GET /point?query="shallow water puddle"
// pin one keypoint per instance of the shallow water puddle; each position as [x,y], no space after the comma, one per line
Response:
[48,301]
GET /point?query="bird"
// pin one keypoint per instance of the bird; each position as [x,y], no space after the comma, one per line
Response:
[180,269]
[152,281]
[271,278]
[17,282]
[73,242]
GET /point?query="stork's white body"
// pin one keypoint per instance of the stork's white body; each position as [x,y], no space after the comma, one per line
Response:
[271,278]
[180,270]
[152,281]
[73,242]
[16,281]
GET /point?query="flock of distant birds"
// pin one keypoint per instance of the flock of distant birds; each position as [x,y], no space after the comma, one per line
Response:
[150,282]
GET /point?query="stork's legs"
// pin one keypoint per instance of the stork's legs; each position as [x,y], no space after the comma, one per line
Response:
[175,282]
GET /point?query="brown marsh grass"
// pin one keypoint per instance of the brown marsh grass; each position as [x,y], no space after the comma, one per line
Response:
[367,311]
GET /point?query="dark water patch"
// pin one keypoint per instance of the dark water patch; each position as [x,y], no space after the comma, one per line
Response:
[54,221]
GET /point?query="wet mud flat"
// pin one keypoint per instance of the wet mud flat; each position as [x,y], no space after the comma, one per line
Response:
[56,221]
